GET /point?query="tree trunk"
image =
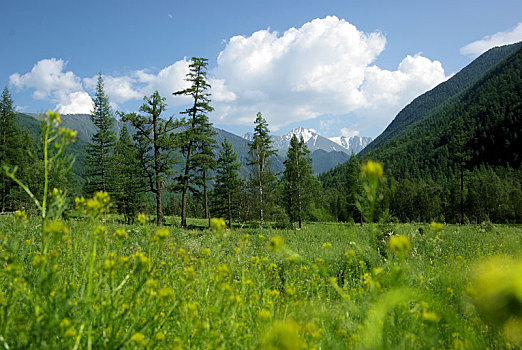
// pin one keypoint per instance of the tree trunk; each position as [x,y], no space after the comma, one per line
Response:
[461,196]
[205,195]
[159,207]
[185,187]
[229,211]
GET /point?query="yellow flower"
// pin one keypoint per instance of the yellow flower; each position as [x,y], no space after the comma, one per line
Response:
[159,336]
[327,245]
[276,243]
[161,234]
[264,315]
[496,288]
[437,227]
[142,219]
[217,224]
[400,245]
[55,228]
[139,338]
[372,170]
[20,215]
[283,336]
[121,233]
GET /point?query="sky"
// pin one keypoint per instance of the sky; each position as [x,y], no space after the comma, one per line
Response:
[343,68]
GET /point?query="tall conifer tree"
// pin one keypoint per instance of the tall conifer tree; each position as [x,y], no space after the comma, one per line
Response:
[156,144]
[102,142]
[196,137]
[127,179]
[297,178]
[228,182]
[13,149]
[260,154]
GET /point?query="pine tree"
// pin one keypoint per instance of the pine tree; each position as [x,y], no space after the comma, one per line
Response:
[196,139]
[228,182]
[126,178]
[14,145]
[260,154]
[297,178]
[102,142]
[155,143]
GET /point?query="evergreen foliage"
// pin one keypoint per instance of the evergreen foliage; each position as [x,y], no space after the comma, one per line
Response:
[101,146]
[197,144]
[156,144]
[261,152]
[228,183]
[14,151]
[127,180]
[297,178]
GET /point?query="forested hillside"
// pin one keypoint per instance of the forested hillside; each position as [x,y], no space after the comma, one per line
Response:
[421,107]
[453,154]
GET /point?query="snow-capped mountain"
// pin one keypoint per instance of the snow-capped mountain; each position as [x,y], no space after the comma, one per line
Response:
[314,141]
[353,144]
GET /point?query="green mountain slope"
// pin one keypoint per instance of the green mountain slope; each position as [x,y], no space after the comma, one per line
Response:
[444,93]
[483,122]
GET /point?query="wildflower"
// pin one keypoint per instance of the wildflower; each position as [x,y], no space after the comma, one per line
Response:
[205,252]
[39,260]
[141,261]
[327,245]
[350,253]
[276,243]
[166,293]
[264,315]
[430,316]
[217,224]
[496,289]
[139,338]
[20,215]
[142,219]
[70,333]
[372,170]
[55,228]
[284,336]
[100,230]
[121,233]
[400,245]
[159,336]
[161,234]
[437,227]
[109,264]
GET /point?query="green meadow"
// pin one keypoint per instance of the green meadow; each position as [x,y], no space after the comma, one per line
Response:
[91,282]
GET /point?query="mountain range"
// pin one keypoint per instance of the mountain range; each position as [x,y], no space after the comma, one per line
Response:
[325,153]
[315,142]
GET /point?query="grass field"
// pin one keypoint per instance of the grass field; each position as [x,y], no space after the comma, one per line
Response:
[94,283]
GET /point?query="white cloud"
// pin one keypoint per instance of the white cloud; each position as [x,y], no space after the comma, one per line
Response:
[348,132]
[502,38]
[47,77]
[324,67]
[75,103]
[167,81]
[49,81]
[119,89]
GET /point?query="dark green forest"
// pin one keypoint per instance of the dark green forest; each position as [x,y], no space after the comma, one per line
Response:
[452,155]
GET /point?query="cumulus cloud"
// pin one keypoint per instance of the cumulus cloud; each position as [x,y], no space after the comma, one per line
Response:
[75,103]
[119,89]
[166,81]
[323,68]
[46,77]
[502,38]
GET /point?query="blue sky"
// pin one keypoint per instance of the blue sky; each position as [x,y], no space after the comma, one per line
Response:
[340,67]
